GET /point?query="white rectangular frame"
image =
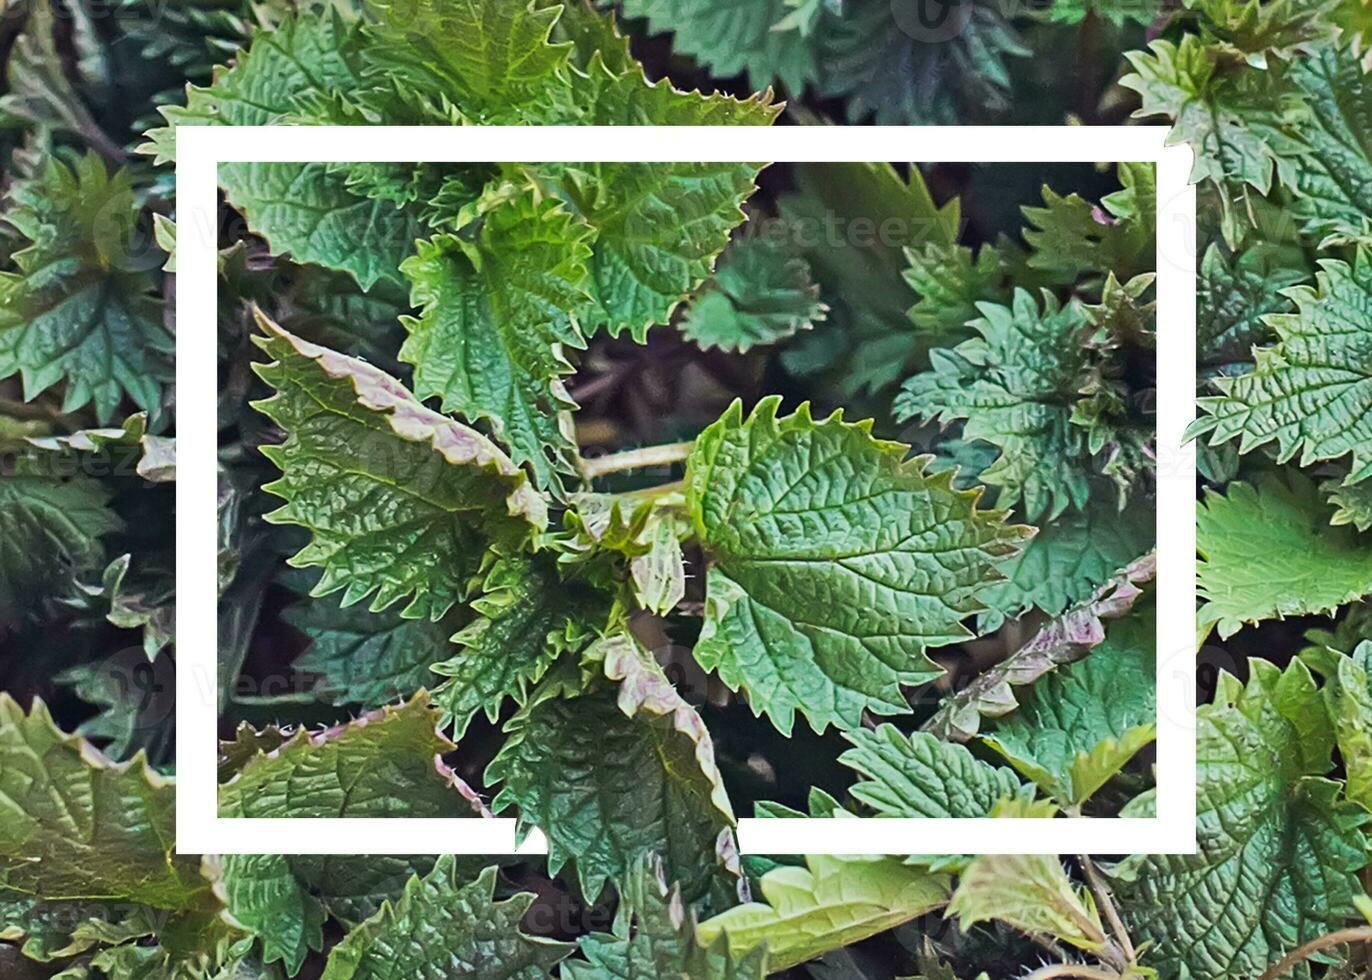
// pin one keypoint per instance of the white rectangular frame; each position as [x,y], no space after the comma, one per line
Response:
[199,828]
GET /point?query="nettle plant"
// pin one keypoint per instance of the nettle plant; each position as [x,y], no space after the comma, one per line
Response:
[467,575]
[542,564]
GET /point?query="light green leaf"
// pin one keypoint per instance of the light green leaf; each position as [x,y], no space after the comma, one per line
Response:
[1268,551]
[77,826]
[950,282]
[1075,11]
[492,59]
[1278,844]
[1019,385]
[526,619]
[1030,892]
[611,776]
[835,563]
[1077,727]
[445,928]
[1352,504]
[656,936]
[604,529]
[92,842]
[761,293]
[263,894]
[831,902]
[1072,237]
[48,528]
[919,776]
[400,500]
[386,763]
[1348,697]
[1276,27]
[1311,394]
[497,312]
[80,308]
[1230,118]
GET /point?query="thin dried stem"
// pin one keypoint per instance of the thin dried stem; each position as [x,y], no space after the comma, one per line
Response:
[1107,905]
[1343,937]
[1072,970]
[636,459]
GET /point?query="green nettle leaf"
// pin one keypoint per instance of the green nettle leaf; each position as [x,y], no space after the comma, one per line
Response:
[1268,551]
[1235,294]
[387,763]
[1075,11]
[1076,728]
[445,927]
[950,281]
[659,226]
[400,500]
[754,38]
[1018,387]
[365,658]
[1312,393]
[264,895]
[1063,640]
[835,563]
[492,59]
[760,294]
[1352,504]
[1068,558]
[78,826]
[1259,29]
[852,222]
[1334,178]
[832,901]
[1072,237]
[919,776]
[79,309]
[526,619]
[1230,118]
[284,68]
[889,68]
[48,528]
[89,845]
[656,936]
[612,775]
[1348,696]
[1278,844]
[497,312]
[604,529]
[1030,892]
[307,211]
[352,887]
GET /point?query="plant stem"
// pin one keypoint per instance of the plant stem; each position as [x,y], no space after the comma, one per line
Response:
[1107,905]
[1357,934]
[1072,970]
[636,459]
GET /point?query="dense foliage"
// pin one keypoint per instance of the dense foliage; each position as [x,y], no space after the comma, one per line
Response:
[629,499]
